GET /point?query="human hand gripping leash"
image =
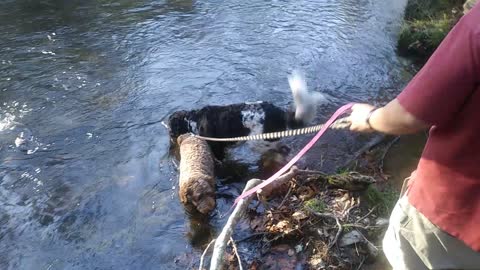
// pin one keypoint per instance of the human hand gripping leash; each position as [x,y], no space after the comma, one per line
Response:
[302,152]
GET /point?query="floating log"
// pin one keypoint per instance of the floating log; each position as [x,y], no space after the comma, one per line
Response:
[197,179]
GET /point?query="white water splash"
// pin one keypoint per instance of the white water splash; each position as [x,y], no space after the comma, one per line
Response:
[8,122]
[253,102]
[306,103]
[20,140]
[32,151]
[48,52]
[10,115]
[31,177]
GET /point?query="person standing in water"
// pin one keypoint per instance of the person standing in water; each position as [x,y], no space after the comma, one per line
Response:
[435,224]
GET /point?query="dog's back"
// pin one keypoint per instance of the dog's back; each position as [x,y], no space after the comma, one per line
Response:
[232,120]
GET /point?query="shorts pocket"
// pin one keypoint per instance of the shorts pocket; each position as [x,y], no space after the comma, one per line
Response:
[403,211]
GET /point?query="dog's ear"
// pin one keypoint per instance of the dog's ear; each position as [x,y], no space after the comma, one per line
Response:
[177,123]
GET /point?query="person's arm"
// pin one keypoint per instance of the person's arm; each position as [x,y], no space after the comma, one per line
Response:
[438,92]
[390,119]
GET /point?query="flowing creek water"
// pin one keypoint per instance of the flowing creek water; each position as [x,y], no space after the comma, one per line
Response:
[86,177]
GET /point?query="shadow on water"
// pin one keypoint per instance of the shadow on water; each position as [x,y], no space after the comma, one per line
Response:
[50,14]
[86,178]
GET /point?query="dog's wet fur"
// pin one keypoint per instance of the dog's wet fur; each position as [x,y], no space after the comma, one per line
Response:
[233,120]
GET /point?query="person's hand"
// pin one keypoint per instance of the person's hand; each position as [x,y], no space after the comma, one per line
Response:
[358,117]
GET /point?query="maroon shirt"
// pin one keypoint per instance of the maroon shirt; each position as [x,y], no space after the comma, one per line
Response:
[446,93]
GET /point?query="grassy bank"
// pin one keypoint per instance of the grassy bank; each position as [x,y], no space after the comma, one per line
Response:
[427,22]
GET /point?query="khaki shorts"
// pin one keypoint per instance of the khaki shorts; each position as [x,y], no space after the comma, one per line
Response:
[412,242]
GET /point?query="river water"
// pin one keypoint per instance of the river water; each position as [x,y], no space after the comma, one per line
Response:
[86,179]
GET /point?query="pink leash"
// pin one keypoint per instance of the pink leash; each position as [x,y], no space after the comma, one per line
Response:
[307,147]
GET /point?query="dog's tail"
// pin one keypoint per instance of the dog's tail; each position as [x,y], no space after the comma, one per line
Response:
[305,103]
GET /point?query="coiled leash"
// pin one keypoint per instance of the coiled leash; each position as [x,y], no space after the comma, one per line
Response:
[339,124]
[340,111]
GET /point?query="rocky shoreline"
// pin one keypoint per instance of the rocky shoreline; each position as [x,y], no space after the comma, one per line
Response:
[426,24]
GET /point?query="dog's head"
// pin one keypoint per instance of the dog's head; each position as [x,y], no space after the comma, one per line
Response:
[179,123]
[202,195]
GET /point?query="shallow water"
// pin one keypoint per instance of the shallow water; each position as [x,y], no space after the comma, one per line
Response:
[86,179]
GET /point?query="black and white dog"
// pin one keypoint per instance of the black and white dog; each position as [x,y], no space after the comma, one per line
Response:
[244,119]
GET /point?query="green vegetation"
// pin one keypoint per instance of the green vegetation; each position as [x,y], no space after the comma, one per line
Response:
[316,205]
[427,22]
[384,201]
[423,9]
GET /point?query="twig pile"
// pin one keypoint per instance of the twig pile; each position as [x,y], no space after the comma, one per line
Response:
[331,224]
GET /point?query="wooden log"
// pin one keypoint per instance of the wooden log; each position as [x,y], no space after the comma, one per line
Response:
[197,179]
